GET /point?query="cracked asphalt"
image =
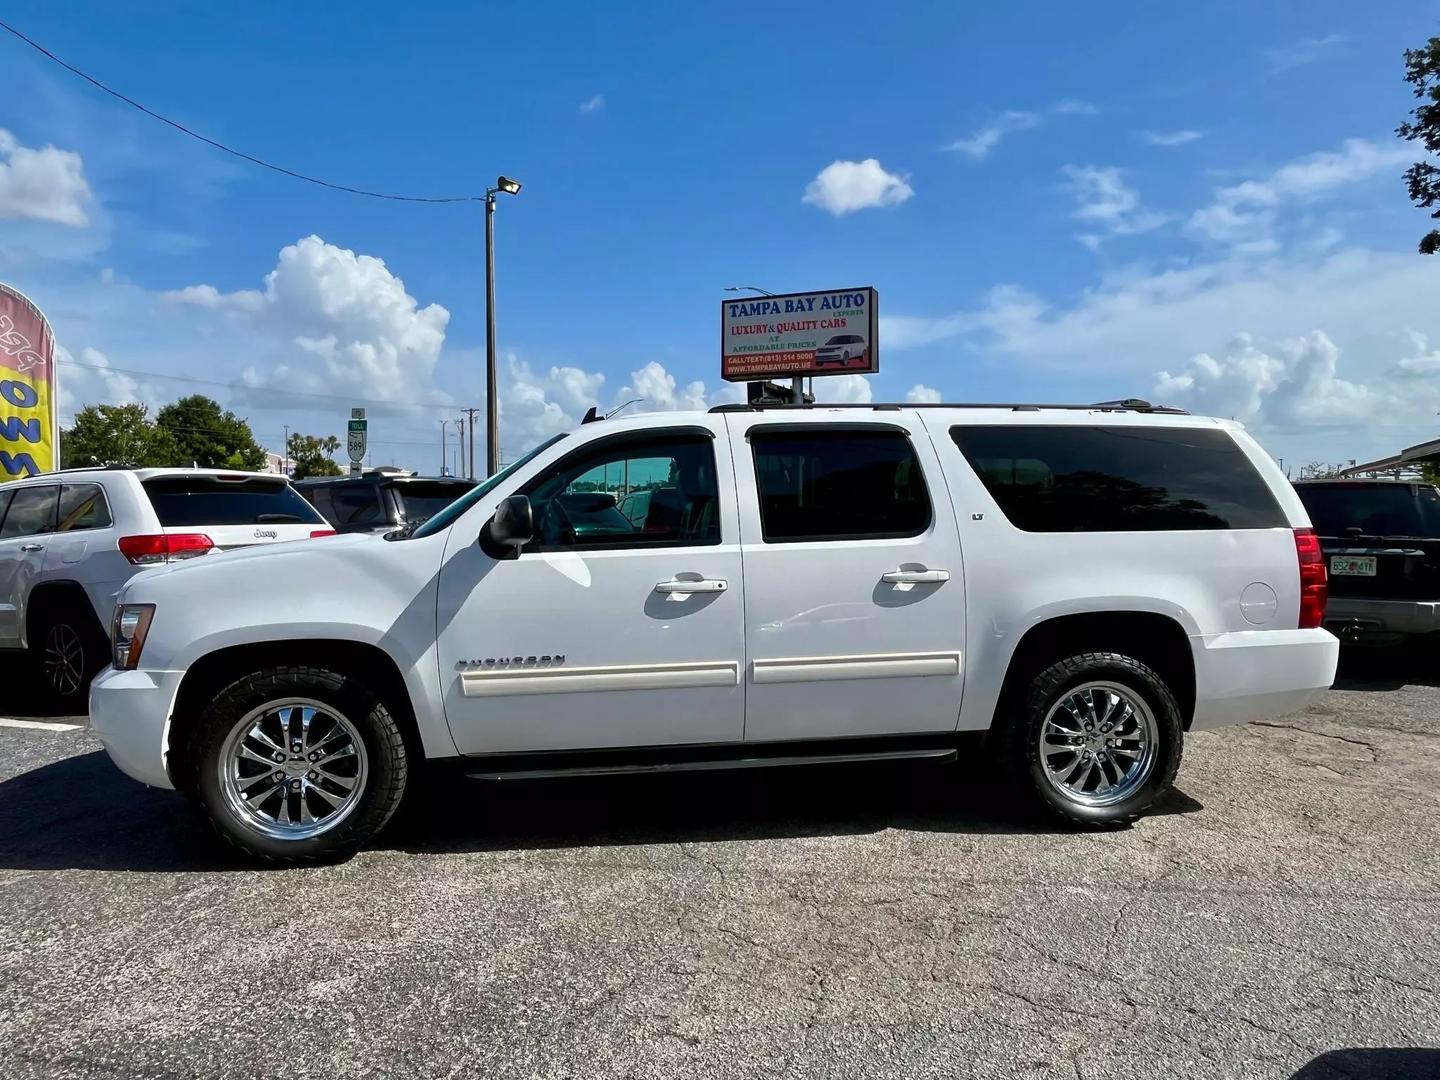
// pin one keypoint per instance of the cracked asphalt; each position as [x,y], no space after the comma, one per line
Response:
[1278,916]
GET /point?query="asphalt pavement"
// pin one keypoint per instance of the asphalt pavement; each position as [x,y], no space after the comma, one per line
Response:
[1278,916]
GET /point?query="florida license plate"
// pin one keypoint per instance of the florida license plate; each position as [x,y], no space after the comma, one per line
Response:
[1352,565]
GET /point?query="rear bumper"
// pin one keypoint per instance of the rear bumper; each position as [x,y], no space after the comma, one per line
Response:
[1360,619]
[130,714]
[1260,673]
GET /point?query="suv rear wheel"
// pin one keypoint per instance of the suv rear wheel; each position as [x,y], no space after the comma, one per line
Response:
[298,764]
[1094,738]
[66,650]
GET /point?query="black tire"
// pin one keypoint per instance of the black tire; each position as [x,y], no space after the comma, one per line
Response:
[67,649]
[1028,706]
[388,763]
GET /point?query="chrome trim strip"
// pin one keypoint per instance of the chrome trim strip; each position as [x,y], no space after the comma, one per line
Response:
[713,764]
[684,676]
[869,666]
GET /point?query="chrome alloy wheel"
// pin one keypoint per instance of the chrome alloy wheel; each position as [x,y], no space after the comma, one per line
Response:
[64,659]
[293,769]
[1098,744]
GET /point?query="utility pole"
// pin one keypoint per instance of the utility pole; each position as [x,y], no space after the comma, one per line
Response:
[443,455]
[460,430]
[471,413]
[285,454]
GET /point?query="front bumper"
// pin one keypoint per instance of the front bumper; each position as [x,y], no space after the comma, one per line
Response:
[1257,674]
[1380,621]
[130,714]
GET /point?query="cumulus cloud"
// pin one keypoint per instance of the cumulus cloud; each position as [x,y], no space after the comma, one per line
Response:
[1104,201]
[846,186]
[350,326]
[90,379]
[844,390]
[920,394]
[42,185]
[1245,215]
[1170,138]
[593,104]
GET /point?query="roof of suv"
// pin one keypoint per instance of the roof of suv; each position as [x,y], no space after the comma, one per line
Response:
[1356,481]
[150,474]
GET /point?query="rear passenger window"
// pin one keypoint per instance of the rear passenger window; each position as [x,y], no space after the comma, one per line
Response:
[1114,479]
[182,500]
[83,506]
[357,504]
[838,484]
[32,511]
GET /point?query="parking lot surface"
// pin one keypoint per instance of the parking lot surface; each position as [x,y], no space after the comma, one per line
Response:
[1278,916]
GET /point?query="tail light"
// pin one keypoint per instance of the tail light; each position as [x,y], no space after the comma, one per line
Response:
[321,532]
[159,548]
[1314,586]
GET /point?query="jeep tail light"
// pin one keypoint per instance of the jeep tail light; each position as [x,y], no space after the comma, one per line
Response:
[321,532]
[1314,587]
[159,548]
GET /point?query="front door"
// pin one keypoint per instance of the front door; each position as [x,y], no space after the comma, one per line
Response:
[611,628]
[854,591]
[29,519]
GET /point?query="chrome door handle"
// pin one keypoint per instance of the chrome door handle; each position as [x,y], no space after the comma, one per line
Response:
[703,585]
[31,547]
[916,577]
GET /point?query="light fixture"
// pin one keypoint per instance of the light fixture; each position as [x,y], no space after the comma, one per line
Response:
[505,184]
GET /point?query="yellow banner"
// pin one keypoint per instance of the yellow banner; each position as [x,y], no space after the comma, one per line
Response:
[28,435]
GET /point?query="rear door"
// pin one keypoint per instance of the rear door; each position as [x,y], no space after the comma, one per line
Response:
[234,511]
[854,591]
[1381,539]
[29,521]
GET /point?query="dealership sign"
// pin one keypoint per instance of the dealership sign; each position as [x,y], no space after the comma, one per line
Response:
[822,333]
[27,389]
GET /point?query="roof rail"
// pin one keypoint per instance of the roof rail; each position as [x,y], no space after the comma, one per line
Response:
[1123,405]
[92,468]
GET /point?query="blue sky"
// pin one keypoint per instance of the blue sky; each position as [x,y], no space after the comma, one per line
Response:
[1074,202]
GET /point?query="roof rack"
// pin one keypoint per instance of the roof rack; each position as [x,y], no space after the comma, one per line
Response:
[1124,405]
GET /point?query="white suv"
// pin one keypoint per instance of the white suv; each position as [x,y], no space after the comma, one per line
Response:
[807,584]
[69,540]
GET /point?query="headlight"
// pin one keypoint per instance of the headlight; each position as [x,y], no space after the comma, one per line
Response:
[127,634]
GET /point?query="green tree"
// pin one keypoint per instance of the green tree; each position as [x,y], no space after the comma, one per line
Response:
[310,455]
[116,435]
[208,437]
[1422,72]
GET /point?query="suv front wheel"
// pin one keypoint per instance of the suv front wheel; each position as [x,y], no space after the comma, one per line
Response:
[1095,738]
[298,764]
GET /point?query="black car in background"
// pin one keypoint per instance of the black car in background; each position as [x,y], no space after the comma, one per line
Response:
[379,500]
[1381,540]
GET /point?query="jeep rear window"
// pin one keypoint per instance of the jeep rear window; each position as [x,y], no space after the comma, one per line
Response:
[1113,479]
[1339,509]
[209,500]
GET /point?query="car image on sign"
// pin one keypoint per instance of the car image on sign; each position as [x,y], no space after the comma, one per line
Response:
[841,349]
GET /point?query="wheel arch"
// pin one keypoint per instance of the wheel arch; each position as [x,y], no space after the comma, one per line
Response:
[47,595]
[213,671]
[1156,640]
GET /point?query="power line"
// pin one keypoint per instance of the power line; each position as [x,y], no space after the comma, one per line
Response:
[221,146]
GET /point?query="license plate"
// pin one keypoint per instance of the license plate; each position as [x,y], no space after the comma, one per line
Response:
[1352,565]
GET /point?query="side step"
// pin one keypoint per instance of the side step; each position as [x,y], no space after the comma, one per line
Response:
[700,758]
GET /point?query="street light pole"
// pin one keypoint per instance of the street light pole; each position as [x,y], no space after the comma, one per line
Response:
[492,400]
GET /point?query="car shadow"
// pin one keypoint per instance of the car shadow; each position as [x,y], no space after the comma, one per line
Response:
[82,813]
[1373,1063]
[1387,669]
[23,696]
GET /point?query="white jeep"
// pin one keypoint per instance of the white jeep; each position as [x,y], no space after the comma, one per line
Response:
[806,584]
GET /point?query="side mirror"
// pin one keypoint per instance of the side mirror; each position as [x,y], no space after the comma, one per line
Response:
[510,529]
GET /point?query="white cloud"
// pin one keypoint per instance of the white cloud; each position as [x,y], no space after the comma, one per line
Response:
[1425,362]
[843,390]
[593,104]
[351,326]
[89,379]
[1106,202]
[1305,51]
[921,394]
[979,143]
[42,185]
[1170,138]
[1075,107]
[1245,215]
[846,186]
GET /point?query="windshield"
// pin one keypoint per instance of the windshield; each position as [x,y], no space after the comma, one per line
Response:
[1372,509]
[421,500]
[443,519]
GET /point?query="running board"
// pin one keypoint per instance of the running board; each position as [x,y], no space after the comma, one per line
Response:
[697,759]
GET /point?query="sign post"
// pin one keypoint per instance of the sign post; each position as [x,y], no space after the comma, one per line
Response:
[356,438]
[29,428]
[796,334]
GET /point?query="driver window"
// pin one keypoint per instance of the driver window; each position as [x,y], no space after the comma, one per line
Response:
[624,493]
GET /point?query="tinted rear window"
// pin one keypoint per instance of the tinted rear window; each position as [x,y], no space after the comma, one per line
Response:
[1372,509]
[421,499]
[1113,479]
[199,500]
